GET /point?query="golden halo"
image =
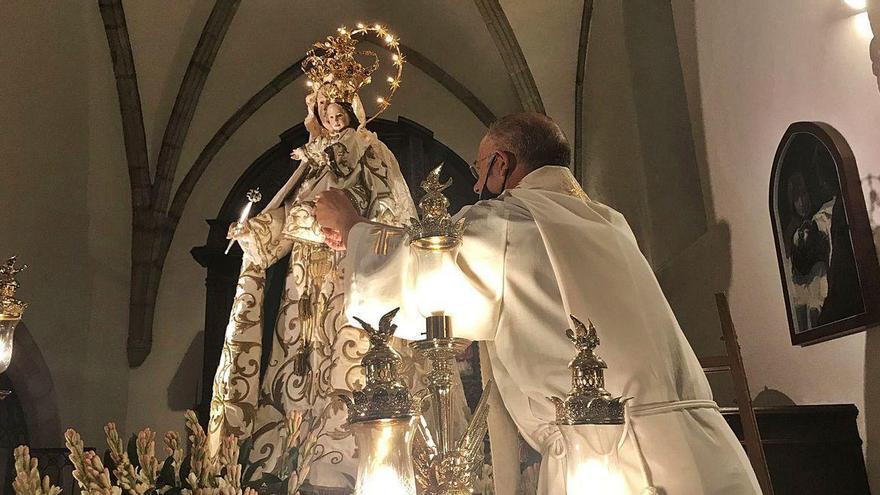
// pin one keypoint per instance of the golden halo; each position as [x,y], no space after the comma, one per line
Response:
[332,64]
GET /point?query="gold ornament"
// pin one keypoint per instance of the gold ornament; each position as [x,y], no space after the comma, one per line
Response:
[332,66]
[447,466]
[384,395]
[435,230]
[10,307]
[587,403]
[312,304]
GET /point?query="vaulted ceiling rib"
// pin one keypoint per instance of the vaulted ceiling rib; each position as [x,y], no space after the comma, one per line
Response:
[512,55]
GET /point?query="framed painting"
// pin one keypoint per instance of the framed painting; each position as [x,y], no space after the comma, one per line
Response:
[827,261]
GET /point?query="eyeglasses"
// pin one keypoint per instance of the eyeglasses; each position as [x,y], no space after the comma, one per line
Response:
[473,166]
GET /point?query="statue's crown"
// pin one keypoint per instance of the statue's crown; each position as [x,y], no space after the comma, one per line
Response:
[340,70]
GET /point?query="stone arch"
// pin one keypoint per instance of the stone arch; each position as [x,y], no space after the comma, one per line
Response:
[511,54]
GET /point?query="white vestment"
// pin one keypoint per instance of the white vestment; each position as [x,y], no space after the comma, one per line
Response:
[538,253]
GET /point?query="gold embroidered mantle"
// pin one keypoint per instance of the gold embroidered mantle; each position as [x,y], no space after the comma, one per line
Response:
[250,402]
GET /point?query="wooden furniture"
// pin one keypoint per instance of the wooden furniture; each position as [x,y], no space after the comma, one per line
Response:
[810,449]
[794,449]
[732,363]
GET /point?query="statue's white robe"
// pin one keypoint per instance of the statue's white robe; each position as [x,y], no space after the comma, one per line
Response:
[540,252]
[250,402]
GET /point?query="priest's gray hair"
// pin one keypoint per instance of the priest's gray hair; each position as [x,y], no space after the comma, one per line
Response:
[533,138]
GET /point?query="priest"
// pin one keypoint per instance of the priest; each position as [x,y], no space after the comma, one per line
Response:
[535,250]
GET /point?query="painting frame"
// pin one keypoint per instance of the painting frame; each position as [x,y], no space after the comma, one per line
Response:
[863,256]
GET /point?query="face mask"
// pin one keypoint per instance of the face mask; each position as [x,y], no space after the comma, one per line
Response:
[485,192]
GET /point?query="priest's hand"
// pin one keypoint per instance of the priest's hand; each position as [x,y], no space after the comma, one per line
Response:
[334,212]
[333,239]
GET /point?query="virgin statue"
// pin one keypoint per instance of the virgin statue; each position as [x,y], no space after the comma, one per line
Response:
[313,351]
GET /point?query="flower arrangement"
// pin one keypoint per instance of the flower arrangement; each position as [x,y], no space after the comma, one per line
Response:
[134,469]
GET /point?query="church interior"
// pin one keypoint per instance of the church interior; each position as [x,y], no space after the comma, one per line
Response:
[135,132]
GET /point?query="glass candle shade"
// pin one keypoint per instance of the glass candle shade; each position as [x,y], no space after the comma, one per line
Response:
[436,276]
[591,459]
[385,465]
[7,330]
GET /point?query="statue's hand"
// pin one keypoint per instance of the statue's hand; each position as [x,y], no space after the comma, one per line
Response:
[297,154]
[311,121]
[237,230]
[311,98]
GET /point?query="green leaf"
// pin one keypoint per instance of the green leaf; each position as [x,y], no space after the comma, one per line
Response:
[244,451]
[248,468]
[294,455]
[132,451]
[166,474]
[269,484]
[269,478]
[289,464]
[110,465]
[351,479]
[184,472]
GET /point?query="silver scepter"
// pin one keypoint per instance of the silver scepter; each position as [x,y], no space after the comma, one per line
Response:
[253,196]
